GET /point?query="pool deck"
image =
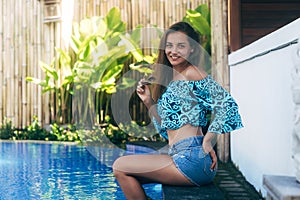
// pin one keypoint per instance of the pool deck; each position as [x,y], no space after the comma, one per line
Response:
[229,184]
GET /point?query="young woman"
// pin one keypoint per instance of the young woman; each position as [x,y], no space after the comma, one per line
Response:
[178,105]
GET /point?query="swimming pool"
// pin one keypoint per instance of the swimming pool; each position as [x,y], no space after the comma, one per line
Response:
[31,170]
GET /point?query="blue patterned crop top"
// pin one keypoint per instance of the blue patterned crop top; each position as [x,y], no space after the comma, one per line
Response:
[188,102]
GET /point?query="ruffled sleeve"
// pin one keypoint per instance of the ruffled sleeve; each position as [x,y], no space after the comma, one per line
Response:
[225,116]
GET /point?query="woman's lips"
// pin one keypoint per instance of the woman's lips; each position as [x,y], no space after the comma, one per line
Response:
[174,57]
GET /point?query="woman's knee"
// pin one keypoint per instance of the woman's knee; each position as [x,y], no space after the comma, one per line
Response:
[115,166]
[118,163]
[118,174]
[118,168]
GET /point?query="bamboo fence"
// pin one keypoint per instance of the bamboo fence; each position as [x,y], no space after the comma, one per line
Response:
[21,48]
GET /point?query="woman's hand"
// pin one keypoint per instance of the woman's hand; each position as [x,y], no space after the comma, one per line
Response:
[214,159]
[143,91]
[207,146]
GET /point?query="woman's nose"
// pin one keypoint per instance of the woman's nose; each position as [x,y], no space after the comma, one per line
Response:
[174,49]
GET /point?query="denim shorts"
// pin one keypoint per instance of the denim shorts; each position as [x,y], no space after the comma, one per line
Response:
[192,161]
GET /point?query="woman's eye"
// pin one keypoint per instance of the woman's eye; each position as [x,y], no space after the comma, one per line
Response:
[181,46]
[168,45]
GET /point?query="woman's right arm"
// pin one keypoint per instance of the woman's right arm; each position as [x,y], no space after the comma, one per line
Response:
[144,92]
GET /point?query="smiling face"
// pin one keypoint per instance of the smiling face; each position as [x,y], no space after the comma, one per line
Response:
[178,49]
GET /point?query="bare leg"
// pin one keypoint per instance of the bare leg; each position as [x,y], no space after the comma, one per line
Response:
[134,170]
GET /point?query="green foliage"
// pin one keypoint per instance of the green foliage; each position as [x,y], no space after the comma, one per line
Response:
[199,19]
[109,134]
[7,129]
[105,134]
[115,134]
[64,133]
[93,63]
[141,131]
[35,131]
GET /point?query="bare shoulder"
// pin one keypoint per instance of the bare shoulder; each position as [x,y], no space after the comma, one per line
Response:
[194,73]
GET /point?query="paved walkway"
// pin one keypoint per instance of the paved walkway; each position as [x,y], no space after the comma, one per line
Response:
[233,184]
[229,184]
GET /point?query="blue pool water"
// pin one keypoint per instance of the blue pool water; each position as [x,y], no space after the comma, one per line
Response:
[60,171]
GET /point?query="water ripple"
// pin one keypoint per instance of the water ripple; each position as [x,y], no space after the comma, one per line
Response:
[30,171]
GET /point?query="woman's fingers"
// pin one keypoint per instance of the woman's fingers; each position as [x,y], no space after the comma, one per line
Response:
[214,160]
[140,90]
[140,87]
[143,91]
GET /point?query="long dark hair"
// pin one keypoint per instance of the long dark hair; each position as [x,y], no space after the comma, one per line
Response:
[162,68]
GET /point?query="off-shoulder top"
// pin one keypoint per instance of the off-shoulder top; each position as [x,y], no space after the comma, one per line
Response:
[188,102]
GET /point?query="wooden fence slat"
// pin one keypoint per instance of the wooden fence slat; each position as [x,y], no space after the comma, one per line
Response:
[24,106]
[8,58]
[1,60]
[220,71]
[17,91]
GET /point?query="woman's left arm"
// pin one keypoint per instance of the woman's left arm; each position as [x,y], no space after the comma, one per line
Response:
[225,117]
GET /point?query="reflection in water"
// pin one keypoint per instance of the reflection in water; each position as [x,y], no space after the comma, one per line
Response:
[57,171]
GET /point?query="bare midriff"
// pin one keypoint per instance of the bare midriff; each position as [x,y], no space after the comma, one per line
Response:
[183,132]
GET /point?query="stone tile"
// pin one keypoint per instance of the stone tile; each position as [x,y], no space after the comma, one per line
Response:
[208,192]
[236,190]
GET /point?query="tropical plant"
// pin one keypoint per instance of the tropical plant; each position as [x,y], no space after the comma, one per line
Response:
[89,69]
[99,62]
[82,79]
[199,19]
[100,59]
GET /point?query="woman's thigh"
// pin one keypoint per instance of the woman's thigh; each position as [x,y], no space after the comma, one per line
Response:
[151,168]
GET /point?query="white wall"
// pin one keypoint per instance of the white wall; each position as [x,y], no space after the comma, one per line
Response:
[262,88]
